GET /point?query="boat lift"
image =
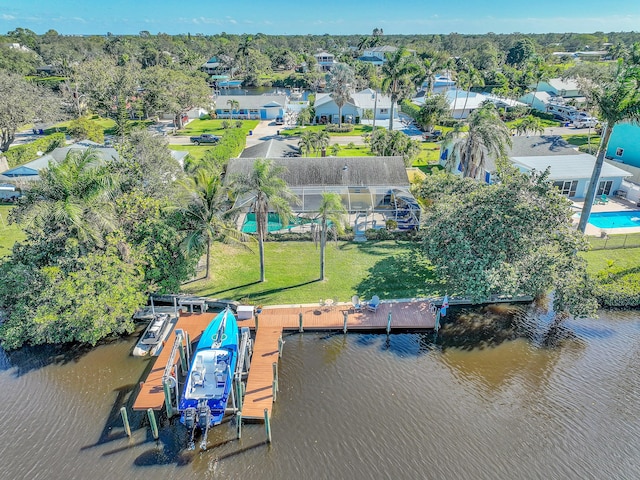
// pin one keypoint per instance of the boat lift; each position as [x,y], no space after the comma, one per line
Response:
[170,379]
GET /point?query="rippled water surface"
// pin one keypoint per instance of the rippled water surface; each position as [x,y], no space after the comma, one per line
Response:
[355,406]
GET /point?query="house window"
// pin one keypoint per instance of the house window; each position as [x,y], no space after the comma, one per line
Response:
[604,187]
[619,151]
[384,110]
[567,188]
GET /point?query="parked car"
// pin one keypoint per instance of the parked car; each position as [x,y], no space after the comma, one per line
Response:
[585,122]
[205,138]
[432,136]
[279,121]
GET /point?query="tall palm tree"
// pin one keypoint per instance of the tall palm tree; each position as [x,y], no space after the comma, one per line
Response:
[397,72]
[234,105]
[321,140]
[538,70]
[472,78]
[616,101]
[206,209]
[530,124]
[487,136]
[330,212]
[269,192]
[73,199]
[341,84]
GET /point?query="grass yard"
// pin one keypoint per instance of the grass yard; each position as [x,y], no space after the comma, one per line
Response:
[198,127]
[390,269]
[357,131]
[429,154]
[598,260]
[9,234]
[195,151]
[107,124]
[583,141]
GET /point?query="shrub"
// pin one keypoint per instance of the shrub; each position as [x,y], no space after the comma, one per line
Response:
[85,129]
[238,123]
[226,124]
[346,127]
[25,153]
[230,146]
[410,109]
[618,287]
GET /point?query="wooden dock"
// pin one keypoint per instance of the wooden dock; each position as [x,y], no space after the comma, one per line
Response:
[271,322]
[259,391]
[151,394]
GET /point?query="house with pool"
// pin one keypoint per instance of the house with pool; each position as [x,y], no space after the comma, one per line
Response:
[623,149]
[374,191]
[251,107]
[569,169]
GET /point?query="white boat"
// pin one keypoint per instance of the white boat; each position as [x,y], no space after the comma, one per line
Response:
[154,335]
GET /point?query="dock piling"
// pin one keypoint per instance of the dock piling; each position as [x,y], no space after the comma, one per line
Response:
[389,323]
[300,328]
[153,423]
[275,381]
[238,387]
[345,315]
[188,343]
[239,424]
[183,359]
[267,425]
[167,398]
[280,345]
[125,421]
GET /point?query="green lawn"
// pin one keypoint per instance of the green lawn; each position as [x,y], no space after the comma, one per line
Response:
[390,269]
[107,124]
[9,234]
[357,131]
[583,141]
[429,153]
[598,260]
[198,127]
[195,151]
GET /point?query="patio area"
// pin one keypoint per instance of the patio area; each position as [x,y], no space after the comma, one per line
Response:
[613,204]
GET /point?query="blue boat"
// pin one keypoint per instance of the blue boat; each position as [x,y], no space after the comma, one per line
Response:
[210,378]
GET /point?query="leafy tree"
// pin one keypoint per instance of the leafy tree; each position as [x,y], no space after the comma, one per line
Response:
[487,136]
[617,100]
[397,73]
[21,103]
[268,192]
[435,109]
[513,237]
[16,61]
[84,128]
[341,85]
[521,52]
[331,214]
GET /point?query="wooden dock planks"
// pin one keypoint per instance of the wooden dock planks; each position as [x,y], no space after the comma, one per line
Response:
[151,394]
[259,391]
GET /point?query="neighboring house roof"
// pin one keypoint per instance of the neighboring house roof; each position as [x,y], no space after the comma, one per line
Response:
[252,101]
[270,149]
[383,48]
[364,99]
[560,84]
[324,171]
[575,167]
[545,145]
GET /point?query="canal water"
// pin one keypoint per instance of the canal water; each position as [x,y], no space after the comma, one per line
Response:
[358,406]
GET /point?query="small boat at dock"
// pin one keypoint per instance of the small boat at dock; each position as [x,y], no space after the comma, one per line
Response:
[210,378]
[154,335]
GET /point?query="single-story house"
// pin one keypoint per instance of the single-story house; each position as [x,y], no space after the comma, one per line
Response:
[541,100]
[29,172]
[259,107]
[441,83]
[377,55]
[354,110]
[373,189]
[462,103]
[9,192]
[559,87]
[570,170]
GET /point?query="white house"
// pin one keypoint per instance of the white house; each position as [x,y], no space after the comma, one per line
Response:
[559,87]
[325,61]
[377,55]
[462,103]
[354,110]
[262,107]
[569,169]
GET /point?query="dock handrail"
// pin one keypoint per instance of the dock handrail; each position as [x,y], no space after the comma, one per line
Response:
[168,369]
[242,353]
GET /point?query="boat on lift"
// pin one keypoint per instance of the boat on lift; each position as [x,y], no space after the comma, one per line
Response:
[155,334]
[210,378]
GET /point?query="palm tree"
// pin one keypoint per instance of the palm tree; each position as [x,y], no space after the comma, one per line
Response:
[530,124]
[321,140]
[205,209]
[234,105]
[73,199]
[306,142]
[472,77]
[487,137]
[397,72]
[538,70]
[269,192]
[340,85]
[243,50]
[331,211]
[616,101]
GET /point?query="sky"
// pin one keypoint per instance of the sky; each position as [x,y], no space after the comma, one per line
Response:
[286,17]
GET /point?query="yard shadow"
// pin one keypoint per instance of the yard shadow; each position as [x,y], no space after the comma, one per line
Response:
[405,275]
[29,358]
[262,294]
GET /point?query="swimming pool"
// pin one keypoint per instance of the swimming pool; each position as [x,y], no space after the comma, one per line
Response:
[615,219]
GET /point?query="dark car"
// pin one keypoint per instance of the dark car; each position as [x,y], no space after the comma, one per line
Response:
[205,138]
[279,121]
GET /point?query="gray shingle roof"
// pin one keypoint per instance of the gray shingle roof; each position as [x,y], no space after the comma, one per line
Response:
[270,149]
[360,171]
[548,145]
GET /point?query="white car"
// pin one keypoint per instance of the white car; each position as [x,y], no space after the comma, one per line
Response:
[585,122]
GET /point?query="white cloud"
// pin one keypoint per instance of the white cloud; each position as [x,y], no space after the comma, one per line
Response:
[4,16]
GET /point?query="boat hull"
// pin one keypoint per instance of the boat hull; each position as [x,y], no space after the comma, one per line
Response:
[210,379]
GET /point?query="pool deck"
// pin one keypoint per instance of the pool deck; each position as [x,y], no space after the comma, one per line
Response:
[613,205]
